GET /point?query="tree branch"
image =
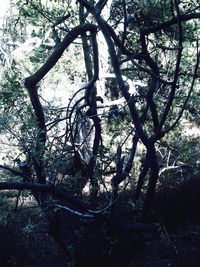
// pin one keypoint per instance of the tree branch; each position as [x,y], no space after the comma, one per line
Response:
[43,189]
[15,172]
[137,227]
[171,22]
[59,50]
[176,76]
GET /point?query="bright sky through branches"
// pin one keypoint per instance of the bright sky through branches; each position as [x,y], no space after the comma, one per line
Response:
[3,8]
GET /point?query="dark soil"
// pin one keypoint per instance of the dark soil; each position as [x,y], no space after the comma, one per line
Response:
[26,240]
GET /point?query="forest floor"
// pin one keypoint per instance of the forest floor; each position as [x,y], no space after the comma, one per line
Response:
[26,242]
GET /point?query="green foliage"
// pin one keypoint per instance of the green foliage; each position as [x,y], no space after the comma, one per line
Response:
[29,227]
[12,91]
[6,210]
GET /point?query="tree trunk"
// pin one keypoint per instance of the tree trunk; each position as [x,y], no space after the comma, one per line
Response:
[154,170]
